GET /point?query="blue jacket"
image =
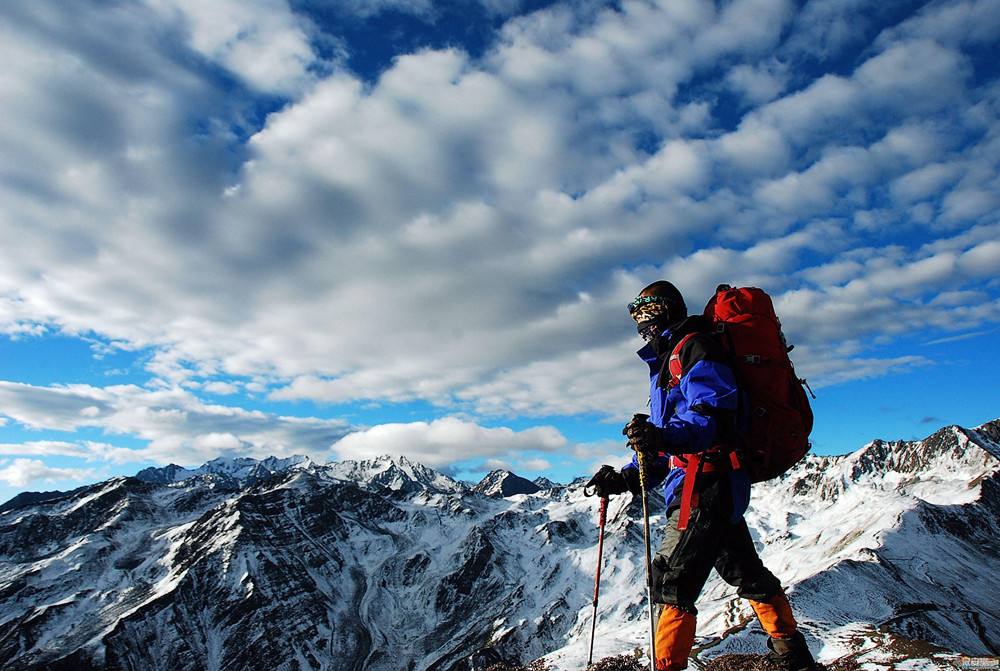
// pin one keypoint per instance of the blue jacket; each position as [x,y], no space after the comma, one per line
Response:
[692,415]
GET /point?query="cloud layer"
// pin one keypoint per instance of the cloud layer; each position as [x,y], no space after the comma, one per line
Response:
[175,425]
[23,472]
[438,443]
[465,231]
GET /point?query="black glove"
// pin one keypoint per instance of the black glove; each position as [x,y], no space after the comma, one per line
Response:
[631,476]
[607,482]
[643,436]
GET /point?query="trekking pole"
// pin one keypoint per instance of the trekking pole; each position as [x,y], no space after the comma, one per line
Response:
[649,559]
[597,576]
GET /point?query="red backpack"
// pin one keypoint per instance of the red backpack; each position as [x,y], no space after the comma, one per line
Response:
[777,416]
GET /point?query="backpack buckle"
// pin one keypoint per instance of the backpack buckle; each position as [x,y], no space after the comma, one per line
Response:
[753,359]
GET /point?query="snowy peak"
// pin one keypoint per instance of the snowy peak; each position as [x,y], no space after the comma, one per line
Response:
[164,474]
[987,437]
[239,471]
[943,467]
[951,450]
[390,472]
[396,473]
[244,467]
[544,483]
[502,484]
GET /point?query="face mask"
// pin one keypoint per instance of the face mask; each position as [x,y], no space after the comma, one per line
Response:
[651,320]
[649,330]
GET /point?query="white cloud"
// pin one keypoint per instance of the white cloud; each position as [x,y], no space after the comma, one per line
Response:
[758,83]
[462,231]
[750,26]
[261,41]
[970,203]
[220,387]
[23,472]
[819,187]
[802,115]
[427,10]
[837,371]
[827,28]
[176,425]
[899,284]
[610,380]
[915,75]
[955,23]
[958,338]
[926,181]
[755,148]
[446,441]
[906,79]
[596,454]
[981,261]
[495,465]
[88,450]
[535,464]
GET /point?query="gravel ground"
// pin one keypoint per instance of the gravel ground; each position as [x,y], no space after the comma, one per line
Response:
[760,663]
[722,663]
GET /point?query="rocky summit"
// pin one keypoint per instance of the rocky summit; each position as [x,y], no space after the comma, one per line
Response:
[889,555]
[504,483]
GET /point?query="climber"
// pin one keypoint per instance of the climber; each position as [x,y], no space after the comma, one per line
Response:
[692,420]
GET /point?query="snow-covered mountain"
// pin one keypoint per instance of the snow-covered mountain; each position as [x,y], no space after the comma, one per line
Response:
[545,483]
[504,483]
[235,471]
[398,474]
[889,553]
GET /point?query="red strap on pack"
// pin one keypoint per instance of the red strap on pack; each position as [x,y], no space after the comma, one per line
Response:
[674,363]
[689,496]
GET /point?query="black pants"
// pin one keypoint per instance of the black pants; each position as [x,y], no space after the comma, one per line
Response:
[685,558]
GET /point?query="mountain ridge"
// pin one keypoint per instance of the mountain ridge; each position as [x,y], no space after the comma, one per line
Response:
[361,560]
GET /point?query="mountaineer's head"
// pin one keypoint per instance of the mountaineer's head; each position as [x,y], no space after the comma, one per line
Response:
[656,309]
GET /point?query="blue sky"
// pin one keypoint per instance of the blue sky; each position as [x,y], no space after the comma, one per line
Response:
[346,228]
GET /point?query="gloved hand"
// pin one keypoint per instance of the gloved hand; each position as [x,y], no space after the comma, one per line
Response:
[631,476]
[643,436]
[607,482]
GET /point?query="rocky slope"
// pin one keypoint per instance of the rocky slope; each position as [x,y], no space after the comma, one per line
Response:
[504,483]
[889,552]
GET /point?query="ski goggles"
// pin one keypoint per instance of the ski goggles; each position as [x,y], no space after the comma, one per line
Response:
[642,301]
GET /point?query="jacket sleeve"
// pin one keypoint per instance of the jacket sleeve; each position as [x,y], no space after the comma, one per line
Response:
[708,387]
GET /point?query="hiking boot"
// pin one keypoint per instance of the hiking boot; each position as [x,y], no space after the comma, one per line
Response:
[791,654]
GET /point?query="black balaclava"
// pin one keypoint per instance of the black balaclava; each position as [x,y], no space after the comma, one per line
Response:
[658,309]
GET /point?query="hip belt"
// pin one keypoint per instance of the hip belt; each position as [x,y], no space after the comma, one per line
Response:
[693,464]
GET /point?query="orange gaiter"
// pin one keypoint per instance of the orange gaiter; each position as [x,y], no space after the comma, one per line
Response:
[775,616]
[674,638]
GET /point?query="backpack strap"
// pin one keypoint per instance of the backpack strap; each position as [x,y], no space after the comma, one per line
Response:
[674,365]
